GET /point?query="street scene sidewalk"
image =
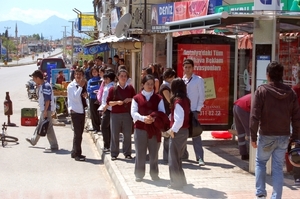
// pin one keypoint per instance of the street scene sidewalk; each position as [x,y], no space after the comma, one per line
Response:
[225,175]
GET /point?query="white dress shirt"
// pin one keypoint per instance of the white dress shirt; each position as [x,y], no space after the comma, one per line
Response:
[195,91]
[74,97]
[178,118]
[134,107]
[104,96]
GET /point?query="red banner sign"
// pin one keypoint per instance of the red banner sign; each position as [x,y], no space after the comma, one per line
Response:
[212,63]
[190,9]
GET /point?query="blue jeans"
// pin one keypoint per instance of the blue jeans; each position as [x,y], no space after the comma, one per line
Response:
[268,146]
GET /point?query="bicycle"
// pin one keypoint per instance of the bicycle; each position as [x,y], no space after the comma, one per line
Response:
[5,138]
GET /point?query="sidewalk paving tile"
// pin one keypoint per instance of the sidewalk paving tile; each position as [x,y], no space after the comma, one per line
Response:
[225,175]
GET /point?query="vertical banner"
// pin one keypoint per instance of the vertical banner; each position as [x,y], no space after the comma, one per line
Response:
[114,19]
[212,63]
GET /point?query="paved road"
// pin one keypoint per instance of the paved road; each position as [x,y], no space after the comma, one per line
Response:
[28,59]
[29,172]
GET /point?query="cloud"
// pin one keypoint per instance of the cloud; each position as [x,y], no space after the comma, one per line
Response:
[32,16]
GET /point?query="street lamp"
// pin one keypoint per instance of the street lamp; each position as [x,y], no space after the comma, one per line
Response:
[72,50]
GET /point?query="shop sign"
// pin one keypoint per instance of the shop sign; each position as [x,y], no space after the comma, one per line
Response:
[267,5]
[92,50]
[212,63]
[87,20]
[160,14]
[240,7]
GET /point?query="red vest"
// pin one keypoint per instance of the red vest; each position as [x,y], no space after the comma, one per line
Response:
[185,104]
[146,107]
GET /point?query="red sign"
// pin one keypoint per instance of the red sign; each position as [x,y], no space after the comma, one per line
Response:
[189,9]
[212,63]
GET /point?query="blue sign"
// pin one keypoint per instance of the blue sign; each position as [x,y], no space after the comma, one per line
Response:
[77,24]
[212,4]
[3,50]
[50,66]
[162,13]
[92,50]
[78,49]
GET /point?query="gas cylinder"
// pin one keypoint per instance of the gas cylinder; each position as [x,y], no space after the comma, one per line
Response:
[7,105]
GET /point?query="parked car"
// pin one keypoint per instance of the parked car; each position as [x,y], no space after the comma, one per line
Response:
[46,64]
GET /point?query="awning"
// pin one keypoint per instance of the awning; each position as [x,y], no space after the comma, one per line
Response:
[246,42]
[112,39]
[233,23]
[95,49]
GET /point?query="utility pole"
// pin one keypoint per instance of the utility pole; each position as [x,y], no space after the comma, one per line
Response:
[64,40]
[7,37]
[72,50]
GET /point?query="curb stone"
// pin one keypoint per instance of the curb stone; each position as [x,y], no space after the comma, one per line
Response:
[116,176]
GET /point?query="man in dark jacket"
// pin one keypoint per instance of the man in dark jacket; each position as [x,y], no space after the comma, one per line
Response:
[275,107]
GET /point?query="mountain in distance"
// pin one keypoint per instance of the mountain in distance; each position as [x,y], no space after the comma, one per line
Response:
[51,27]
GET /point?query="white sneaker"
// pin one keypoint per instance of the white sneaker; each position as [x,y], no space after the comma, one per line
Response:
[201,162]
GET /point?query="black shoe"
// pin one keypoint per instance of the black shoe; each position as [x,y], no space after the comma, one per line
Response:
[105,149]
[128,157]
[29,140]
[80,158]
[245,157]
[138,179]
[113,158]
[156,178]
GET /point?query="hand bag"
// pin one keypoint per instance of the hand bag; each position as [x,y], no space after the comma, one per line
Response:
[195,128]
[43,127]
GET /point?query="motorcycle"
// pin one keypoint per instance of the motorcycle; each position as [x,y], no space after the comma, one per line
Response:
[32,91]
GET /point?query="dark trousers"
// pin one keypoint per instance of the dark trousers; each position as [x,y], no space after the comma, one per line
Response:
[176,150]
[166,149]
[78,123]
[241,120]
[94,114]
[120,122]
[142,143]
[105,128]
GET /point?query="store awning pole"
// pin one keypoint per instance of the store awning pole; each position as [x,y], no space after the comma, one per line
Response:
[169,50]
[236,56]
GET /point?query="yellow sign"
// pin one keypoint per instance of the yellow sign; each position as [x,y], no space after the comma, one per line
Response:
[209,86]
[88,20]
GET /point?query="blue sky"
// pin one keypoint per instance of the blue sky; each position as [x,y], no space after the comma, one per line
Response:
[36,11]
